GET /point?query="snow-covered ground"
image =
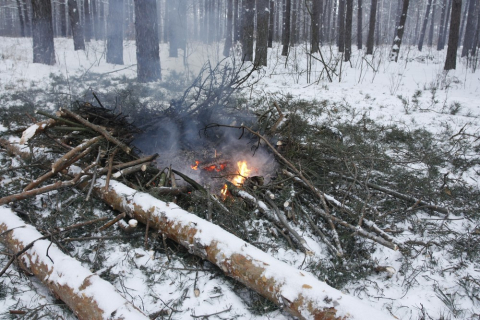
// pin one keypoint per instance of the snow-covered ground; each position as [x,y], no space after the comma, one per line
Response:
[413,93]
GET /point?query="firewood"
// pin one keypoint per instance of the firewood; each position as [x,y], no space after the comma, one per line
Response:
[298,292]
[84,293]
[61,162]
[113,221]
[98,129]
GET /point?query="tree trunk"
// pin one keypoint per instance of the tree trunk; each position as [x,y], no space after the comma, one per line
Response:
[424,26]
[446,31]
[28,25]
[146,34]
[82,291]
[432,26]
[271,23]
[173,26]
[470,28]
[451,59]
[341,26]
[440,43]
[248,29]
[115,32]
[20,18]
[293,23]
[236,22]
[42,32]
[286,27]
[87,21]
[477,35]
[94,17]
[101,20]
[359,25]
[397,40]
[62,9]
[262,33]
[315,18]
[371,27]
[211,22]
[462,21]
[348,29]
[76,26]
[228,36]
[297,292]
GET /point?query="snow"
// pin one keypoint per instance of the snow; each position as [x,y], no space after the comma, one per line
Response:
[365,90]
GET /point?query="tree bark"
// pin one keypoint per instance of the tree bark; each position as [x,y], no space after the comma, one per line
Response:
[20,18]
[348,29]
[286,27]
[87,21]
[28,25]
[440,43]
[432,26]
[146,34]
[451,59]
[371,27]
[115,32]
[271,23]
[300,293]
[424,26]
[84,293]
[462,21]
[62,6]
[76,26]
[470,28]
[341,26]
[248,29]
[228,36]
[397,40]
[42,32]
[316,23]
[359,25]
[262,33]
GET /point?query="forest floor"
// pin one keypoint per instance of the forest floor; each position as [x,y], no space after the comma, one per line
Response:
[412,98]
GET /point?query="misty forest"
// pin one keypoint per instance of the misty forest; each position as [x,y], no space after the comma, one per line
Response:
[240,159]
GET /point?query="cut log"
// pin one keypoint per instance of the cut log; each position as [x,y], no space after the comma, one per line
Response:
[298,292]
[89,296]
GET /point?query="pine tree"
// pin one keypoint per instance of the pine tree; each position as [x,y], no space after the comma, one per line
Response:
[451,59]
[115,32]
[42,32]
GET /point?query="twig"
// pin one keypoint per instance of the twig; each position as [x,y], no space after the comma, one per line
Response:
[110,165]
[211,314]
[98,129]
[60,163]
[94,178]
[113,221]
[145,243]
[129,164]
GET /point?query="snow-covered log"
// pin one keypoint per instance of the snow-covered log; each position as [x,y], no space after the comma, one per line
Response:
[298,292]
[89,296]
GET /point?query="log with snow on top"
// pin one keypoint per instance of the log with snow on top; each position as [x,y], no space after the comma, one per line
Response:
[86,294]
[298,292]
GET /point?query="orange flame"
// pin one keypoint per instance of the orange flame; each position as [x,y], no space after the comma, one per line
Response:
[224,191]
[243,173]
[195,167]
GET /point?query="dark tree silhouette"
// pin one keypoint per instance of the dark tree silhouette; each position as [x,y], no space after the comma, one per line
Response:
[286,27]
[248,29]
[371,26]
[76,26]
[87,21]
[432,26]
[470,28]
[20,18]
[440,42]
[115,32]
[341,26]
[146,35]
[359,25]
[42,32]
[451,59]
[348,29]
[271,23]
[315,17]
[63,17]
[262,32]
[397,39]
[424,26]
[228,35]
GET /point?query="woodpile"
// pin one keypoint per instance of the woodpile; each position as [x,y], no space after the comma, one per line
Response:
[99,160]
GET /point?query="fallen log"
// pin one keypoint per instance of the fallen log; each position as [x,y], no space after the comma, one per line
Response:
[86,294]
[298,292]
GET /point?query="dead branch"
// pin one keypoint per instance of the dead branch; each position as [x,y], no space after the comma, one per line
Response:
[98,129]
[49,174]
[14,150]
[36,128]
[401,196]
[112,222]
[85,293]
[129,164]
[60,163]
[110,166]
[356,229]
